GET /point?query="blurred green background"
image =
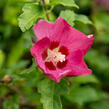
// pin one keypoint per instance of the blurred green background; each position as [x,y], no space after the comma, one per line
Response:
[19,77]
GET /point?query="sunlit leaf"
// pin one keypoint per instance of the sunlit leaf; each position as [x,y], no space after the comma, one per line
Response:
[69,16]
[31,13]
[64,3]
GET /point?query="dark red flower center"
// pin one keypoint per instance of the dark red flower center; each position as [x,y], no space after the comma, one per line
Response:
[55,56]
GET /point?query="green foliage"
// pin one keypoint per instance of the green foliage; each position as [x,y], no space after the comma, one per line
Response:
[85,94]
[11,14]
[16,53]
[98,61]
[101,23]
[100,105]
[50,93]
[64,3]
[82,18]
[71,17]
[86,79]
[68,16]
[31,12]
[2,58]
[11,104]
[23,85]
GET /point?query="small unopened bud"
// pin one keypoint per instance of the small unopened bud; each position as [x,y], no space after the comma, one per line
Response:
[6,79]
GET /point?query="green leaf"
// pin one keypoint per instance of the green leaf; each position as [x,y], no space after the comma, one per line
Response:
[82,18]
[70,3]
[50,93]
[10,15]
[86,79]
[81,95]
[101,24]
[101,21]
[31,76]
[102,37]
[98,61]
[100,64]
[100,105]
[16,53]
[20,65]
[12,104]
[31,12]
[28,40]
[69,16]
[14,70]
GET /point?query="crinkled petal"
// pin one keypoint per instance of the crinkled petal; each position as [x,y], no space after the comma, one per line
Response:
[77,65]
[37,50]
[43,29]
[72,38]
[62,32]
[83,44]
[57,75]
[46,29]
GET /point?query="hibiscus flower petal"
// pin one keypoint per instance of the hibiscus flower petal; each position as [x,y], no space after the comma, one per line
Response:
[62,32]
[72,43]
[43,29]
[57,75]
[72,38]
[77,65]
[52,30]
[83,44]
[38,49]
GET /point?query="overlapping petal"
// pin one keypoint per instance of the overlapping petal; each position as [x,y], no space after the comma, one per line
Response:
[61,31]
[37,50]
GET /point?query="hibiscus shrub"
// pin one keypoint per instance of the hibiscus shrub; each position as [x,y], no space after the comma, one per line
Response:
[54,54]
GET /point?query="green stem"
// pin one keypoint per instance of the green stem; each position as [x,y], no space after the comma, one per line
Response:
[45,8]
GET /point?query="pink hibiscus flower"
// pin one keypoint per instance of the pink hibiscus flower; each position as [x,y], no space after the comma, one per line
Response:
[60,49]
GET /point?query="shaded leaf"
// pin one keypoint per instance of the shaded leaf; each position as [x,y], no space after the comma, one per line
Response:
[81,95]
[98,61]
[14,104]
[82,18]
[100,105]
[16,53]
[86,79]
[50,93]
